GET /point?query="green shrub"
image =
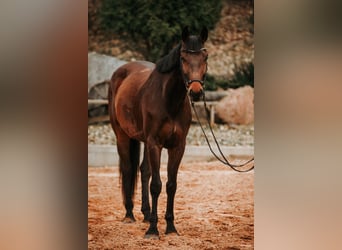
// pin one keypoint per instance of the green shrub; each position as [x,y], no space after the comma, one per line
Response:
[243,75]
[155,27]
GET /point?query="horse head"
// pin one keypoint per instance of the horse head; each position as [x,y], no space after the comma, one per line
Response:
[193,57]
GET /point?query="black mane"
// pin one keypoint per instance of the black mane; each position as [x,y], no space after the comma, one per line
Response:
[170,61]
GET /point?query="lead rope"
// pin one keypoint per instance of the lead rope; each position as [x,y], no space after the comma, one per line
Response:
[224,161]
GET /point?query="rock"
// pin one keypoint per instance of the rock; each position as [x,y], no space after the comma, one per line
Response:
[237,107]
[99,91]
[101,68]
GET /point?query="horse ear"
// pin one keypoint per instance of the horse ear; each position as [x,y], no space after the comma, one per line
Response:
[185,33]
[204,34]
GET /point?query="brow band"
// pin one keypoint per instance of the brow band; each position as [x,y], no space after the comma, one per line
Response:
[193,51]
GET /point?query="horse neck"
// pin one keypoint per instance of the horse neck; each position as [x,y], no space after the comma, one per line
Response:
[174,92]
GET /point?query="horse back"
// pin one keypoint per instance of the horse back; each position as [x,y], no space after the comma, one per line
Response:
[127,69]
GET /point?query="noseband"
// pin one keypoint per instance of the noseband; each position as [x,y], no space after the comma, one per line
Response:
[188,82]
[195,80]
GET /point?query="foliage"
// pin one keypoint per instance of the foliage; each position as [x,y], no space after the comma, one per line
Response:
[244,75]
[212,83]
[155,26]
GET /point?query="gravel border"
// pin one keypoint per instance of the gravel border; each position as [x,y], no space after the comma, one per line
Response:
[237,135]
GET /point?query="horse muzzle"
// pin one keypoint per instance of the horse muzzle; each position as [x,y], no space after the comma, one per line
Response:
[195,89]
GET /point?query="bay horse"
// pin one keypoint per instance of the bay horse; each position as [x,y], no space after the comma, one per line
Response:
[150,103]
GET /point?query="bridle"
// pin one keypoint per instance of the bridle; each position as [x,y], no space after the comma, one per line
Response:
[186,81]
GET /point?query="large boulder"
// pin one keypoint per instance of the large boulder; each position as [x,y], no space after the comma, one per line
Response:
[100,71]
[101,68]
[98,91]
[237,107]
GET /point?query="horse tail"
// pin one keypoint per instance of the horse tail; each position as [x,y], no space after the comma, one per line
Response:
[128,176]
[134,151]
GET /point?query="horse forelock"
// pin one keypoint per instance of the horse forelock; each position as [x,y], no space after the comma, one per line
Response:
[193,43]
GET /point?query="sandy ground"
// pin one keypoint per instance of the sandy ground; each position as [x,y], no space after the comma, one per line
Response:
[213,210]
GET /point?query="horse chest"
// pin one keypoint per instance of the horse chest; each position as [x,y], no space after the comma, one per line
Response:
[172,132]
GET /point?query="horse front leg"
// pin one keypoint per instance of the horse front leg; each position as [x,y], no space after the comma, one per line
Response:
[154,152]
[175,157]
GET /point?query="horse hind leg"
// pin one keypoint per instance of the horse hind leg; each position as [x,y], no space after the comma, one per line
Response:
[145,178]
[129,151]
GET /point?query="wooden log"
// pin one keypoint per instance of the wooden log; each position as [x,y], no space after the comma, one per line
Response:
[214,95]
[97,101]
[202,112]
[96,119]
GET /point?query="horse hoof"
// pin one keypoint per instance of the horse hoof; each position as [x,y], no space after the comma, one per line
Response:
[172,233]
[170,229]
[152,236]
[128,220]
